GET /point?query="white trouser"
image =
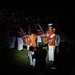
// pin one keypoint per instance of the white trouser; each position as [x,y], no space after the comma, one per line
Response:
[51,53]
[12,42]
[20,43]
[39,40]
[28,47]
[31,60]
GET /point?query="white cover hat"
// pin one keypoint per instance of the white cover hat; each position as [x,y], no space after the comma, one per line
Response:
[50,24]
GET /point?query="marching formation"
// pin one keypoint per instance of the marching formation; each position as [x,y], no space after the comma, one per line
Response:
[34,33]
[49,39]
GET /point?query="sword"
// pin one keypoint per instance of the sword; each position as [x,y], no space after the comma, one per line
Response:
[40,28]
[21,29]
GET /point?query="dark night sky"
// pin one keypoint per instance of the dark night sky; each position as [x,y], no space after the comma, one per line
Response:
[38,5]
[53,8]
[64,10]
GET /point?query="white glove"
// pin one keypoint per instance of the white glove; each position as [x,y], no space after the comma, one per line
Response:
[52,36]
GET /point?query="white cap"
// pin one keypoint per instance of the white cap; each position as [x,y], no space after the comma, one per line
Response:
[50,24]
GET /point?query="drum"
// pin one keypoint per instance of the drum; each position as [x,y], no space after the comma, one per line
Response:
[25,39]
[43,37]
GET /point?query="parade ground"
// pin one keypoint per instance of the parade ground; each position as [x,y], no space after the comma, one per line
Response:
[17,62]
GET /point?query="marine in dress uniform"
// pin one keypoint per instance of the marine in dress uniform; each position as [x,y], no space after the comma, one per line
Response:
[20,35]
[51,42]
[31,42]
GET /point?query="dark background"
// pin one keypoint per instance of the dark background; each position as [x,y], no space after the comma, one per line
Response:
[63,11]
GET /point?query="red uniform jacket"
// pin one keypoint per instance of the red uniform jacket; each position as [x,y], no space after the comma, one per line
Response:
[51,37]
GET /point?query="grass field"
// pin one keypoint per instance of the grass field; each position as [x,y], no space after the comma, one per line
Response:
[14,61]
